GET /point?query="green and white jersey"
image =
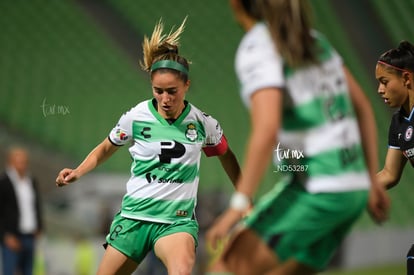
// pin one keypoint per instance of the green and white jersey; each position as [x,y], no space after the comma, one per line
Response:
[319,142]
[165,160]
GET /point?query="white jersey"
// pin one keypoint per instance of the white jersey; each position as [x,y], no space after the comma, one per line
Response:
[165,160]
[319,141]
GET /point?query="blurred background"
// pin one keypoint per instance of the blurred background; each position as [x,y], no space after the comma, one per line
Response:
[70,68]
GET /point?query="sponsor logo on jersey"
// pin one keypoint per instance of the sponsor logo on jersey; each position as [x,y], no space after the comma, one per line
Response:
[151,178]
[169,169]
[409,153]
[170,180]
[171,150]
[181,213]
[191,132]
[408,133]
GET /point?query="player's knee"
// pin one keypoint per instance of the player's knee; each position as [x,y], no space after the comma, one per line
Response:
[182,266]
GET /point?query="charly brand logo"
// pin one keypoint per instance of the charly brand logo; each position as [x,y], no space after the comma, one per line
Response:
[53,109]
[290,155]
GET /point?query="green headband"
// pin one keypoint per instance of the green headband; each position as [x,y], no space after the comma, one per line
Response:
[169,64]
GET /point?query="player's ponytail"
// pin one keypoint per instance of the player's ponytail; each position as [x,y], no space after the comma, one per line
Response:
[164,47]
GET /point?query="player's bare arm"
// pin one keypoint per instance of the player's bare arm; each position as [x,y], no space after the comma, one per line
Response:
[390,175]
[230,165]
[98,155]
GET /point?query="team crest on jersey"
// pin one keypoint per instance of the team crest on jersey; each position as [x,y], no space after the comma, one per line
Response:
[191,132]
[408,133]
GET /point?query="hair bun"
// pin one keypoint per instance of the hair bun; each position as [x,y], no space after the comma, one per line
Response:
[407,47]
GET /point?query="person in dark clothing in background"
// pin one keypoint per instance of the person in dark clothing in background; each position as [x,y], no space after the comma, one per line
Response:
[20,214]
